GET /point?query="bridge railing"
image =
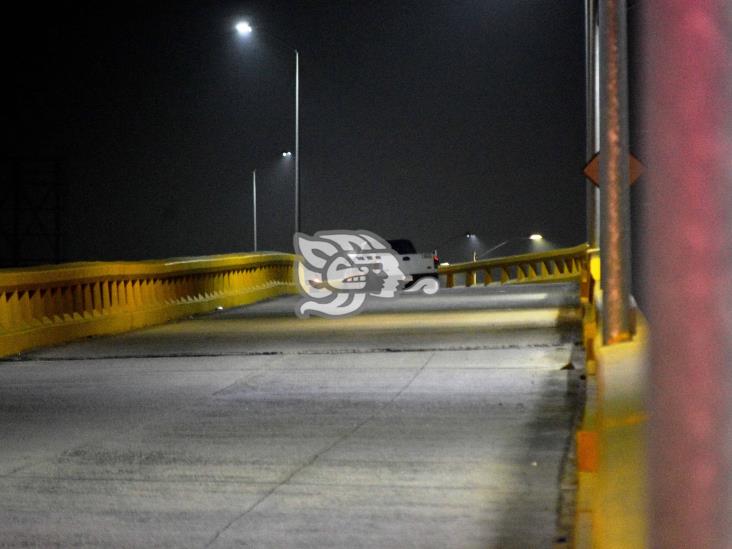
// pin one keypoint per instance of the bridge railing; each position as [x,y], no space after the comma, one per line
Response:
[553,266]
[611,506]
[53,304]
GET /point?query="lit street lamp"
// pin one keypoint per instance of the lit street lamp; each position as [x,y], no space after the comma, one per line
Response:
[245,29]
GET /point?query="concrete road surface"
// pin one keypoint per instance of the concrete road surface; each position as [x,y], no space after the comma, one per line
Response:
[430,421]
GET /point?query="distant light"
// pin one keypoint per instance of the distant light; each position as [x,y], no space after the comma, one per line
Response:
[469,235]
[287,153]
[243,28]
[536,236]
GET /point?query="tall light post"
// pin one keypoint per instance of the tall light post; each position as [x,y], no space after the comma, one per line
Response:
[285,154]
[245,29]
[254,205]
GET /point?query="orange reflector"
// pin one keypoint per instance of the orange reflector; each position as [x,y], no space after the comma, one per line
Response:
[587,451]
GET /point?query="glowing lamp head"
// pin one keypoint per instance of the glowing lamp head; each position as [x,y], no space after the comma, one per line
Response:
[243,28]
[536,236]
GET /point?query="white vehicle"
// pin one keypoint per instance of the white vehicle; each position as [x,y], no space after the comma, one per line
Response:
[413,264]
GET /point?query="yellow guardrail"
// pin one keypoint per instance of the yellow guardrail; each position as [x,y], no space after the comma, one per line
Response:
[611,453]
[54,304]
[554,266]
[611,510]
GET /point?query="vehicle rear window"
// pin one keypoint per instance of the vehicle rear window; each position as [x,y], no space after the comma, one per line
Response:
[402,246]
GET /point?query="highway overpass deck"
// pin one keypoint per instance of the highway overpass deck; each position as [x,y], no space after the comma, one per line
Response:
[426,421]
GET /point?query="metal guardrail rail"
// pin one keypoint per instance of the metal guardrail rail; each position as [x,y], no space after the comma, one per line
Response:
[54,304]
[555,266]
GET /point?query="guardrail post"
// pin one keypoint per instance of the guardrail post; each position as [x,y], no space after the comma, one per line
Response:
[614,176]
[688,269]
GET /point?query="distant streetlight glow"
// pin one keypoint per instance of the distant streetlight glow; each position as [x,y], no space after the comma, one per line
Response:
[536,236]
[243,28]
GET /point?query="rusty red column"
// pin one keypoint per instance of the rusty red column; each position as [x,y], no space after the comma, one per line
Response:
[688,270]
[614,173]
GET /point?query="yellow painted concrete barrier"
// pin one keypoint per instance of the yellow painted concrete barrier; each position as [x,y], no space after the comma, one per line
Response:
[54,304]
[611,448]
[561,265]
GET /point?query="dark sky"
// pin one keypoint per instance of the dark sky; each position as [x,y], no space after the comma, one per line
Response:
[419,119]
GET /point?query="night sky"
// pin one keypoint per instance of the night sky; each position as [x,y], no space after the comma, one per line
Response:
[419,119]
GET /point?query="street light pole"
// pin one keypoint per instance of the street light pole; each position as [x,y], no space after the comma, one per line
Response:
[254,204]
[297,141]
[591,115]
[494,248]
[244,29]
